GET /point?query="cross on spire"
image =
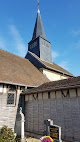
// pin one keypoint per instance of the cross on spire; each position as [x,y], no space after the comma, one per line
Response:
[38,4]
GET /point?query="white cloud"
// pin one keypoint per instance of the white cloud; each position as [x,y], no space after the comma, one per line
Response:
[77,44]
[2,43]
[64,64]
[75,32]
[18,41]
[54,54]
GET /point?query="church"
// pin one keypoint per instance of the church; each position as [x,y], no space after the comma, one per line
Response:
[43,89]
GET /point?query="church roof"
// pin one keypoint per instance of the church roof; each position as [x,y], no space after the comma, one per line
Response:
[18,70]
[38,29]
[52,66]
[73,82]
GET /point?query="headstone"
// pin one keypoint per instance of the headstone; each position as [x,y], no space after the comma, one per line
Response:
[47,132]
[54,131]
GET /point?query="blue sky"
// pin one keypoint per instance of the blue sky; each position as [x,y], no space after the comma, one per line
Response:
[61,20]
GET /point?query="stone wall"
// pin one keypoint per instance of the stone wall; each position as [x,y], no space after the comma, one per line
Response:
[8,112]
[63,107]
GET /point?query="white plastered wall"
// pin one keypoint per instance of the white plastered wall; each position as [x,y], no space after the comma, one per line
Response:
[51,75]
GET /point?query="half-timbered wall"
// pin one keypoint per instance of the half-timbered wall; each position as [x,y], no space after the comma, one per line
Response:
[63,107]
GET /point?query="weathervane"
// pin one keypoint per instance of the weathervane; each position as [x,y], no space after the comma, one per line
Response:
[38,4]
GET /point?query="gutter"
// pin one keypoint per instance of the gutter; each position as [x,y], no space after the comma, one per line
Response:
[17,84]
[52,89]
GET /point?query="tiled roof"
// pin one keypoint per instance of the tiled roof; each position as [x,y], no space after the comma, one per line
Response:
[52,66]
[15,69]
[55,85]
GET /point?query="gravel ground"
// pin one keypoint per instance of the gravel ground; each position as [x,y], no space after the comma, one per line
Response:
[32,140]
[37,140]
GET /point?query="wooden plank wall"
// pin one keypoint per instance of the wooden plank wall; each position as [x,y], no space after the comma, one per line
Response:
[63,107]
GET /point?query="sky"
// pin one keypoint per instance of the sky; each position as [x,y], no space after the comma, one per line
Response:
[61,20]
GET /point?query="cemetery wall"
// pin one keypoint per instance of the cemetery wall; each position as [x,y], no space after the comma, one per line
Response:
[62,106]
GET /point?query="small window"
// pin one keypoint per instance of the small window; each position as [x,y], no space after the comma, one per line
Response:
[12,88]
[11,98]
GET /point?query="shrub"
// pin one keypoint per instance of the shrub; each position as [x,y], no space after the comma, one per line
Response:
[17,139]
[6,135]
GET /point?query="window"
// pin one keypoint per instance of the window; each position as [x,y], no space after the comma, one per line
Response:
[12,88]
[11,96]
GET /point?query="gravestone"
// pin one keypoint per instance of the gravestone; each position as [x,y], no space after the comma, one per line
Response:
[54,131]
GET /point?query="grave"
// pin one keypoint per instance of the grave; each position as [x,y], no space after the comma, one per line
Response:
[54,131]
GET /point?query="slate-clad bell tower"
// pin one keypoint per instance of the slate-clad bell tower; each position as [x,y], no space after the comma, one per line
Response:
[39,44]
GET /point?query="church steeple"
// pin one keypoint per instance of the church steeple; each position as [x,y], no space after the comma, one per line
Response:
[38,29]
[39,45]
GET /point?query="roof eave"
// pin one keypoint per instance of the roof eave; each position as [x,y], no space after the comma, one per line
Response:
[52,89]
[4,82]
[37,38]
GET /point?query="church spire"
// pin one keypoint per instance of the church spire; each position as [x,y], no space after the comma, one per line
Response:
[39,45]
[38,29]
